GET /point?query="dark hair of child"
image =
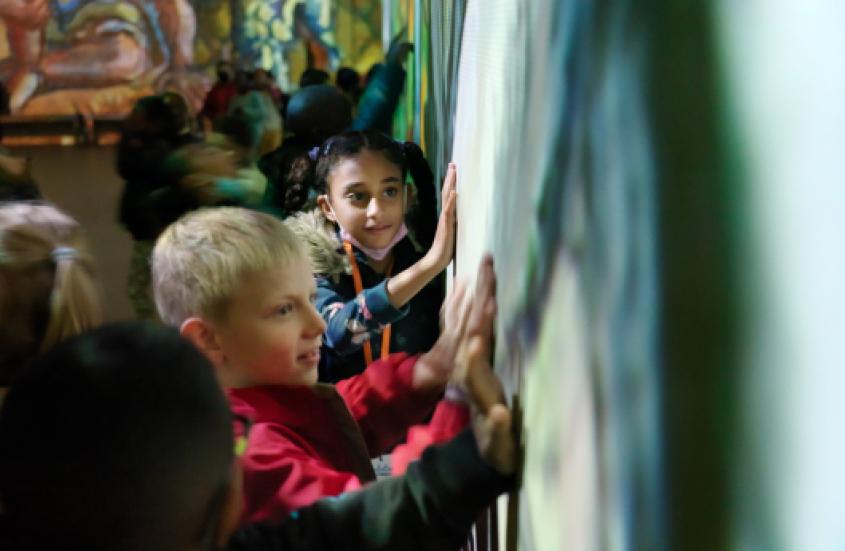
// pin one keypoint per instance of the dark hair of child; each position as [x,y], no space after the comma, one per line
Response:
[131,421]
[245,81]
[313,77]
[317,113]
[348,80]
[224,71]
[237,128]
[151,118]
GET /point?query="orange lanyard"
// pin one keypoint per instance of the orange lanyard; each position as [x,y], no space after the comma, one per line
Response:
[359,286]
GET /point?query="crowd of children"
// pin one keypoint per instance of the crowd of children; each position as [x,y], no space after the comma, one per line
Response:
[301,281]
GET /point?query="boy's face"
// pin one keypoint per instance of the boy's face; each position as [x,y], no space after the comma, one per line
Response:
[272,332]
[366,195]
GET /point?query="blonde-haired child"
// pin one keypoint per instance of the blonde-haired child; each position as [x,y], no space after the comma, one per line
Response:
[238,284]
[47,284]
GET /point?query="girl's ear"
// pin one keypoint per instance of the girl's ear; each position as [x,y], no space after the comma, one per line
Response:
[326,208]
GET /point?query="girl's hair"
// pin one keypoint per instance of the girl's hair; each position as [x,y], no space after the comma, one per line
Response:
[47,284]
[310,171]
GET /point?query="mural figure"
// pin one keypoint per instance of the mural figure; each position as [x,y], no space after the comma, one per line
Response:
[96,44]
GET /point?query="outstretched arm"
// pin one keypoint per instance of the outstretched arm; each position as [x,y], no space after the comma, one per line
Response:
[405,285]
[434,504]
[469,322]
[381,96]
[432,507]
[350,323]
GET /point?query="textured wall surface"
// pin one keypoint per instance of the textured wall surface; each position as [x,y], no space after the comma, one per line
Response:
[545,116]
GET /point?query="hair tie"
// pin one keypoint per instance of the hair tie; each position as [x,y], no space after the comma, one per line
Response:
[314,152]
[63,253]
[405,147]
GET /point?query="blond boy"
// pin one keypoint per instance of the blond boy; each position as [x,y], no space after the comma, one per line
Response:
[238,284]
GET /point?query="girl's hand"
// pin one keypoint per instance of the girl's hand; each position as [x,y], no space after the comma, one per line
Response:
[405,285]
[399,49]
[443,248]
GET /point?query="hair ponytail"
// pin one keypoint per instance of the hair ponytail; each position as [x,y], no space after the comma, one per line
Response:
[421,218]
[74,302]
[53,294]
[299,183]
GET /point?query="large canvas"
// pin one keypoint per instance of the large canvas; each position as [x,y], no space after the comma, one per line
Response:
[557,179]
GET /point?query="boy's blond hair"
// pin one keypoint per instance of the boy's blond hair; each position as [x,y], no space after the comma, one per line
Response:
[199,260]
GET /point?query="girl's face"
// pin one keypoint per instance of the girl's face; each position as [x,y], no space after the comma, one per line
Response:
[366,195]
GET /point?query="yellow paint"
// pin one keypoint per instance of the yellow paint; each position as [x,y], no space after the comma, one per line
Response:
[280,31]
[265,13]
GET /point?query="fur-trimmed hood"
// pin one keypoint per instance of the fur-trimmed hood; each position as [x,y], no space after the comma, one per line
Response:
[324,247]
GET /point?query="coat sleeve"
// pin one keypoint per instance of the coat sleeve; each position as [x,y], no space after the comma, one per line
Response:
[383,402]
[431,507]
[280,477]
[350,323]
[380,99]
[448,420]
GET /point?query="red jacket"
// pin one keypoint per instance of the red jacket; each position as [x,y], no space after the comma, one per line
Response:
[311,442]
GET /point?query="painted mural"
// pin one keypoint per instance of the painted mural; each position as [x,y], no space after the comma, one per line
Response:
[96,57]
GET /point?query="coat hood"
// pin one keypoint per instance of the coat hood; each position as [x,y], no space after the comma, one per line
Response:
[320,237]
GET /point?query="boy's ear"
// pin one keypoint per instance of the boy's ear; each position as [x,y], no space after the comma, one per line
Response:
[326,208]
[203,336]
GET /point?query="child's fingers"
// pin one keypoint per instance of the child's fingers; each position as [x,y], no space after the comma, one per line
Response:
[486,326]
[483,313]
[484,387]
[492,420]
[449,183]
[486,279]
[462,317]
[500,449]
[455,307]
[458,293]
[450,203]
[459,319]
[481,323]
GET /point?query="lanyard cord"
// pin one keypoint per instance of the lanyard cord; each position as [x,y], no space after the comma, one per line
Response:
[359,286]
